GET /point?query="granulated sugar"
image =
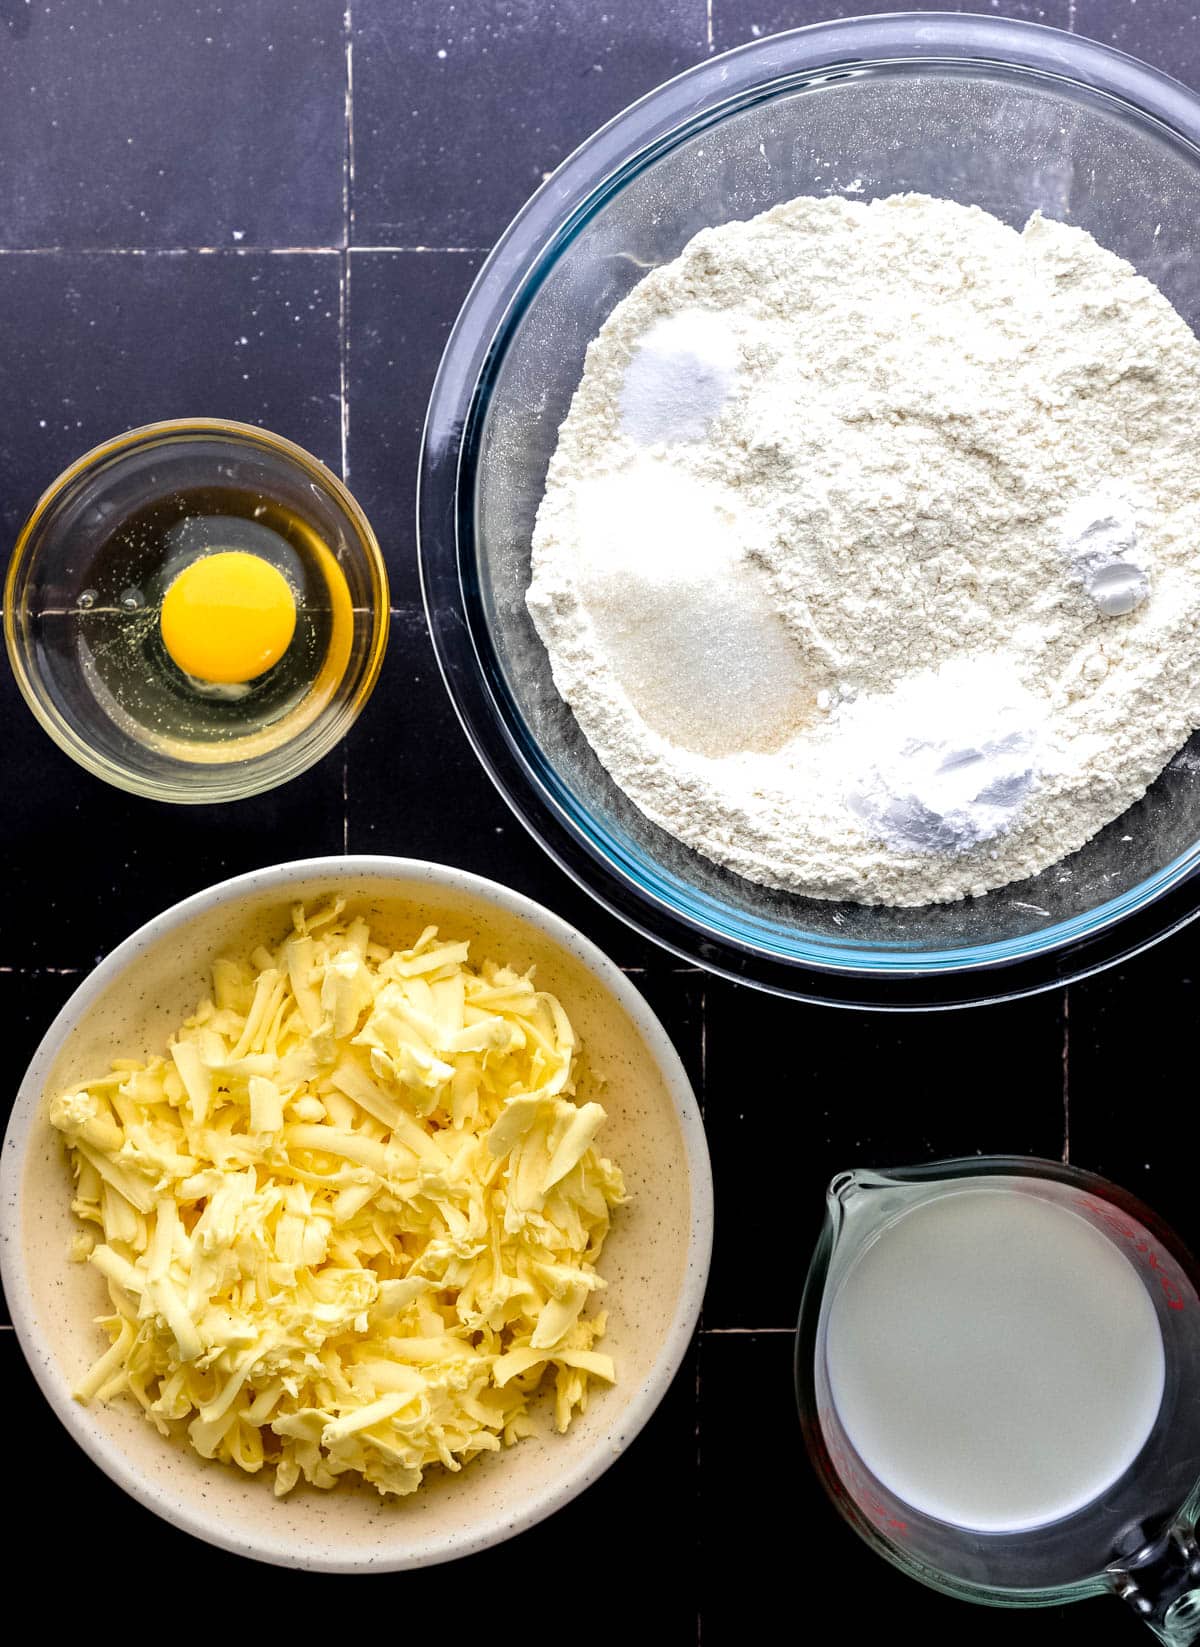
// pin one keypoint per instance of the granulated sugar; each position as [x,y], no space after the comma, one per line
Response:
[679,614]
[867,559]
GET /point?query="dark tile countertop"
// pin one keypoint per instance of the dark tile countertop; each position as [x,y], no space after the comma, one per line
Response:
[270,210]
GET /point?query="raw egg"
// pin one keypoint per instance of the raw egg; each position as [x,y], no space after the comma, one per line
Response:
[228,617]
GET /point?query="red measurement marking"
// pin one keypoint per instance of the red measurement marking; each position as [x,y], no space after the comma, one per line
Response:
[1118,1224]
[849,1479]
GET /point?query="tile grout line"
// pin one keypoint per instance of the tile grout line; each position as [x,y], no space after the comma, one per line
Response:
[708,26]
[344,329]
[700,1333]
[471,251]
[348,183]
[703,1049]
[237,251]
[698,1493]
[184,251]
[1071,16]
[344,360]
[1066,1077]
[347,228]
[745,1332]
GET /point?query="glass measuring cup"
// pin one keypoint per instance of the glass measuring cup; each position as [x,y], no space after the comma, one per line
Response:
[1137,1538]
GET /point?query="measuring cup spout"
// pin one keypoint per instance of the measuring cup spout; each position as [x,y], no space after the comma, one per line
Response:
[859,1201]
[1161,1582]
[857,1191]
[843,1189]
[850,1207]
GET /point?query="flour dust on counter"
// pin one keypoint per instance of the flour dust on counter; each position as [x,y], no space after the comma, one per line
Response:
[866,555]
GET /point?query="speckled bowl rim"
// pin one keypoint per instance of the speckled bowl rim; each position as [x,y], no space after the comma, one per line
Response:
[560,1490]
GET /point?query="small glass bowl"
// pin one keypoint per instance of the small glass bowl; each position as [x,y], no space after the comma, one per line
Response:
[51,569]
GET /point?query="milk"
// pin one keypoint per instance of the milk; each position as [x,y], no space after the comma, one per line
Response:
[994,1359]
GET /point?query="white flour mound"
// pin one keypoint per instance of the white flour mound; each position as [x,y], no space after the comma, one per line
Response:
[869,558]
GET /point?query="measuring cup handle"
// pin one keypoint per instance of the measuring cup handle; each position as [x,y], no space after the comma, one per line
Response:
[1161,1582]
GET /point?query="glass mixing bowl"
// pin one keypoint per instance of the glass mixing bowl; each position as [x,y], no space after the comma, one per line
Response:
[1005,115]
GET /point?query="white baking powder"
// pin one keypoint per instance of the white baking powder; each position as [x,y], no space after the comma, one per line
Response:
[947,760]
[868,557]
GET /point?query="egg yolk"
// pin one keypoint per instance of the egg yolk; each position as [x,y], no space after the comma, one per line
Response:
[228,617]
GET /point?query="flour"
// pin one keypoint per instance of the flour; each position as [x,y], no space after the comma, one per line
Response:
[867,558]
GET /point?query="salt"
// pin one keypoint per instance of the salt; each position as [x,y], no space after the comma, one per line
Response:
[679,378]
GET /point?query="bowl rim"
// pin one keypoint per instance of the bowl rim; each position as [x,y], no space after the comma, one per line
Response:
[888,977]
[423,1550]
[238,779]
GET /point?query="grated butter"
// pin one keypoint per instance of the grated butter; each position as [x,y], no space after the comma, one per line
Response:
[351,1221]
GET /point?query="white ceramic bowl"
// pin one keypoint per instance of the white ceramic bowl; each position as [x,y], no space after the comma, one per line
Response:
[656,1261]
